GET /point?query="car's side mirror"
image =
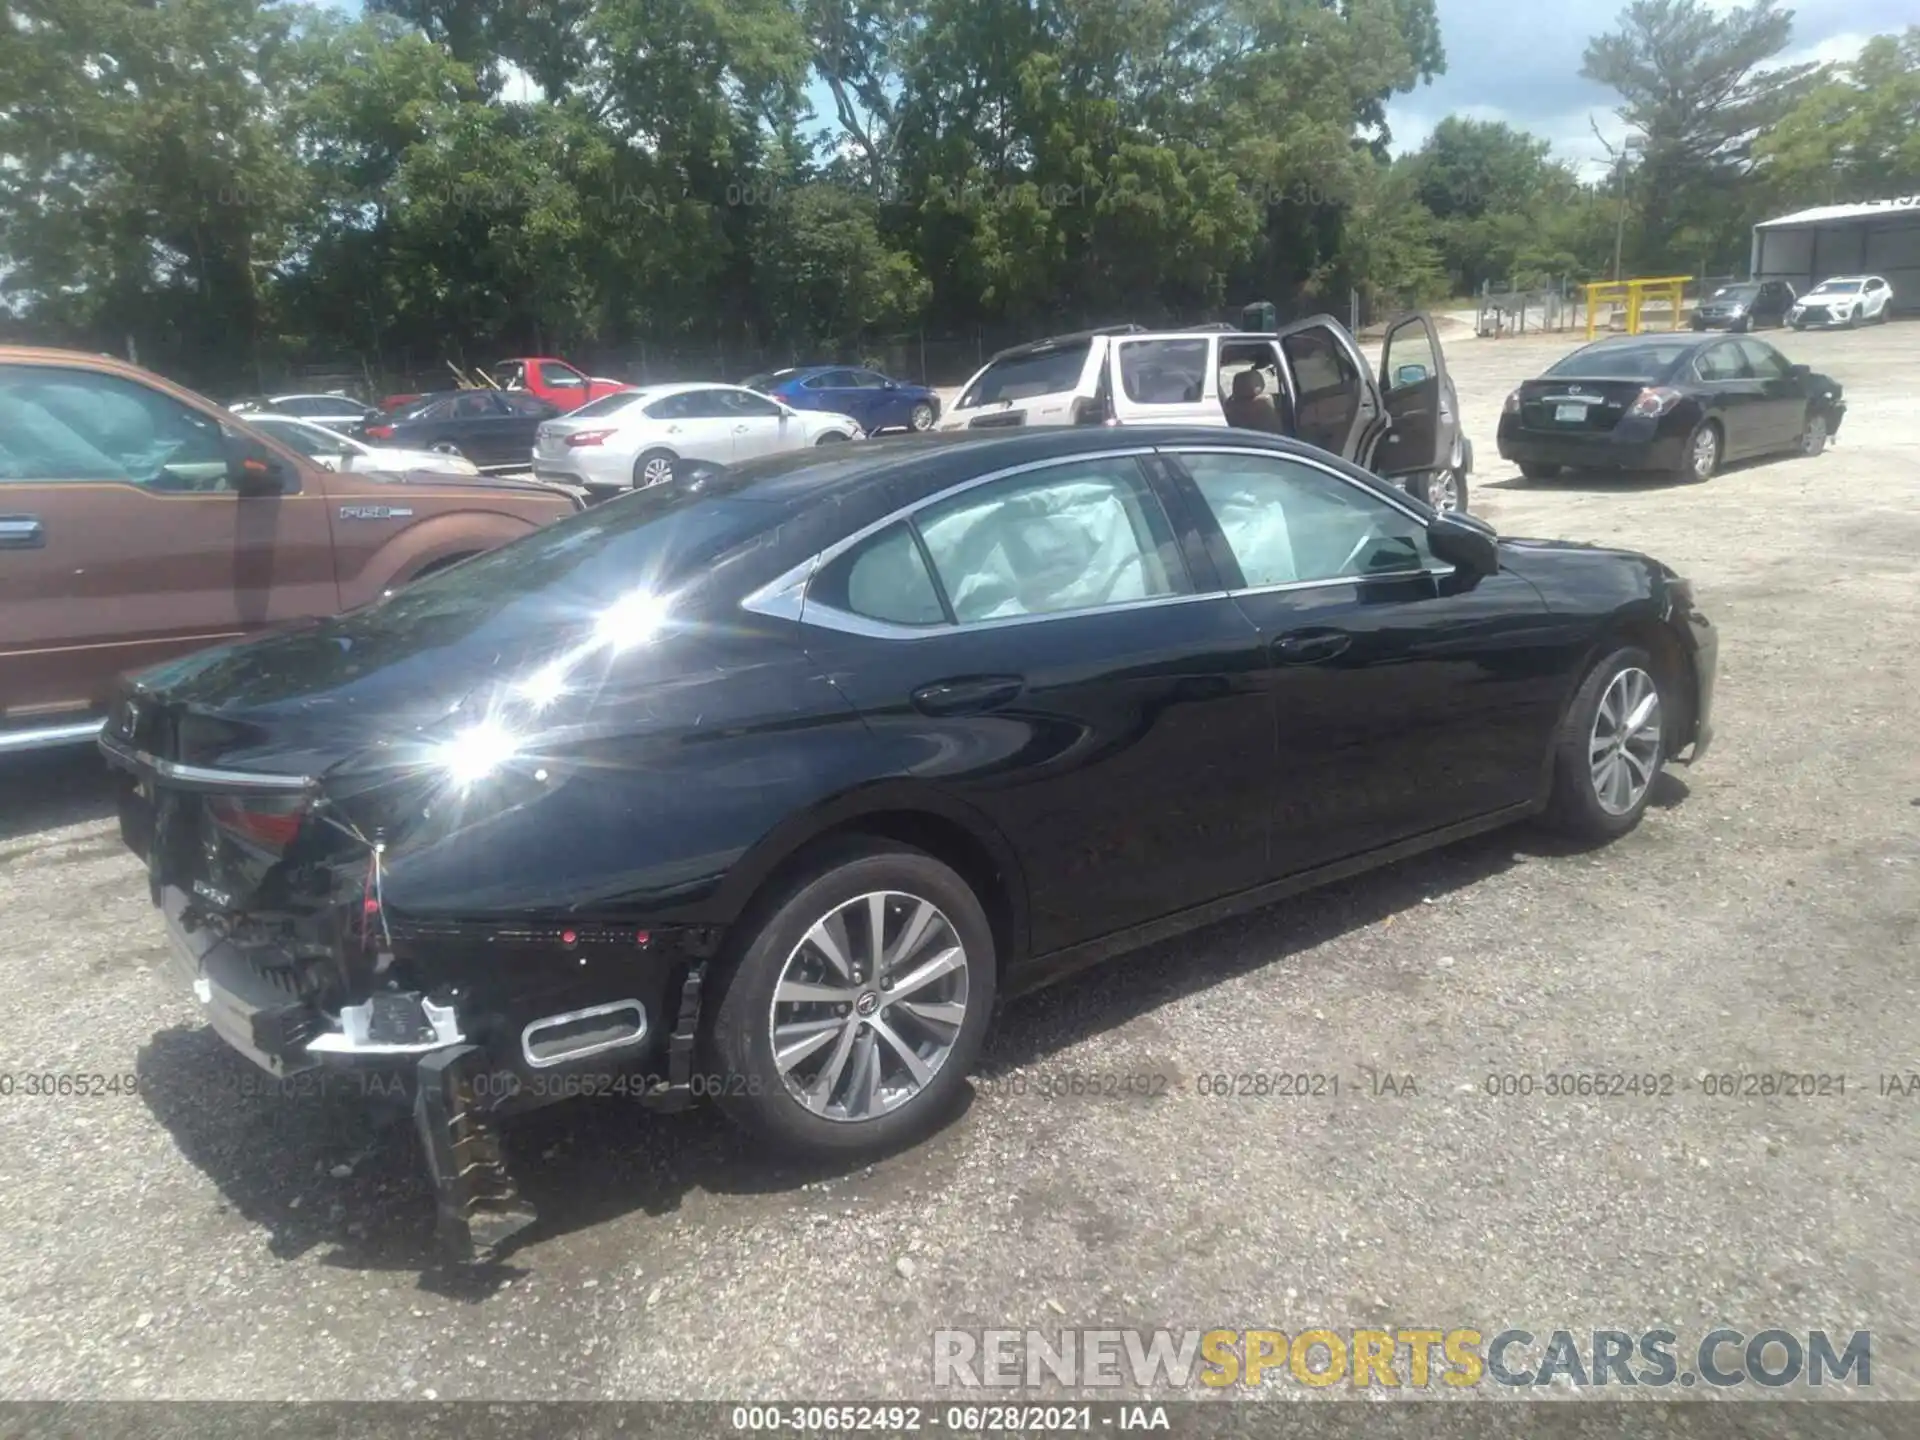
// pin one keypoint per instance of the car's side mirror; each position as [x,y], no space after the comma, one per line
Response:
[252,470]
[1464,543]
[1409,375]
[1799,372]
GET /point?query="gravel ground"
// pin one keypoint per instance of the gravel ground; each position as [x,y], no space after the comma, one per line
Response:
[199,1240]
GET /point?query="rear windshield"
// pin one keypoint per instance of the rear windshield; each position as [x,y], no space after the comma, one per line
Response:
[610,404]
[1021,377]
[1621,362]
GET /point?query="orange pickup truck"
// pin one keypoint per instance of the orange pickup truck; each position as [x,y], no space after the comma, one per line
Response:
[139,521]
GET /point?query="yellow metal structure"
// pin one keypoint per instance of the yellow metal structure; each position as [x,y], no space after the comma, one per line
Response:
[1634,294]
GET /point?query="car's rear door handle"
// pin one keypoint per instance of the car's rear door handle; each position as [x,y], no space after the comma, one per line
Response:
[22,532]
[739,429]
[970,696]
[1310,647]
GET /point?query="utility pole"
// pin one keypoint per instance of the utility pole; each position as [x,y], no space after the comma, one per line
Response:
[1620,228]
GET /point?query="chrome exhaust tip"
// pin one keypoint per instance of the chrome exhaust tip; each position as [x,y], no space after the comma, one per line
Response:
[555,1039]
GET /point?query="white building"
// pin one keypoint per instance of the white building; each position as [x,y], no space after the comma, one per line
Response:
[1876,237]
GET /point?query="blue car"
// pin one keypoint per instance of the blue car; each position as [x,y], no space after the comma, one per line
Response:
[871,398]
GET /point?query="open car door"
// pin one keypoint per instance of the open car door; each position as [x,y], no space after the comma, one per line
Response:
[1421,411]
[1335,403]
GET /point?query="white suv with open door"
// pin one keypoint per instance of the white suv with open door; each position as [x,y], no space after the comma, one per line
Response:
[1308,380]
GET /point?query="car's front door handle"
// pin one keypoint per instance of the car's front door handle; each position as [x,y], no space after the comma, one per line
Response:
[739,429]
[971,696]
[22,532]
[1310,647]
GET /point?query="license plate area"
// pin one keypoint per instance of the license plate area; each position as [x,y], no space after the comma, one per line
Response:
[1570,414]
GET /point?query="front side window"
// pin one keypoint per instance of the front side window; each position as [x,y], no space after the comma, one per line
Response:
[883,578]
[559,377]
[60,424]
[1164,372]
[1288,523]
[525,404]
[1071,537]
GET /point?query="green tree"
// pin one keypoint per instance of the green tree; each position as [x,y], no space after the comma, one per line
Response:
[1696,89]
[1855,135]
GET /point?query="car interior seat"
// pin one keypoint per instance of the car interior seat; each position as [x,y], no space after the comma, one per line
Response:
[1249,408]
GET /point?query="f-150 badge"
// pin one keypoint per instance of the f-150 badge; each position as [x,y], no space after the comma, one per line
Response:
[375,512]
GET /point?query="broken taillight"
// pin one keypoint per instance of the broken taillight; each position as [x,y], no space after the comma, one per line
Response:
[1655,400]
[379,432]
[270,823]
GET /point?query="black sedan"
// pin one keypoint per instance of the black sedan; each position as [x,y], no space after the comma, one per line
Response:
[492,428]
[1675,404]
[763,785]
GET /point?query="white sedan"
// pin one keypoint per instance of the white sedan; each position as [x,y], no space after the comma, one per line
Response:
[1847,300]
[342,452]
[630,440]
[335,411]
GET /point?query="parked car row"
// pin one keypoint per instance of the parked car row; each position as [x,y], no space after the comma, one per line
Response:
[1843,300]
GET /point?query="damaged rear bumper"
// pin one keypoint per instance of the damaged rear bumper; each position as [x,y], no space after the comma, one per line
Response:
[467,1060]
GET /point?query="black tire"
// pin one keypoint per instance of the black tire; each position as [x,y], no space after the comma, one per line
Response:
[832,437]
[1575,807]
[739,1038]
[1536,470]
[1813,432]
[447,447]
[645,470]
[1692,467]
[1742,325]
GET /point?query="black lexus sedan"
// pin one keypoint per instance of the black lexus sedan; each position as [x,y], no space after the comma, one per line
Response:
[492,428]
[763,785]
[1675,404]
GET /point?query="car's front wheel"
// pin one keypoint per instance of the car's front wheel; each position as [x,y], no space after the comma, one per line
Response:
[1610,748]
[922,416]
[855,1004]
[1813,435]
[832,437]
[1535,470]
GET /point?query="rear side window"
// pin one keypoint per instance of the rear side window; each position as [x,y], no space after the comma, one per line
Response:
[1164,372]
[883,578]
[309,405]
[475,404]
[525,404]
[1721,362]
[1072,537]
[1021,377]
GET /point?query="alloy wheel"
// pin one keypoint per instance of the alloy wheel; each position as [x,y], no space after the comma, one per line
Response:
[1624,746]
[1814,439]
[656,471]
[1705,454]
[922,417]
[869,1005]
[1443,491]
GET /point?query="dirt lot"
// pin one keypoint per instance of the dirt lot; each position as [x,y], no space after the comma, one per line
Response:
[198,1240]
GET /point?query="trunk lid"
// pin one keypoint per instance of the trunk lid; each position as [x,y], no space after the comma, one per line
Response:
[1557,406]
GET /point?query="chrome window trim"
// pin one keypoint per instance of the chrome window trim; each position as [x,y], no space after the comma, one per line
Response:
[785,597]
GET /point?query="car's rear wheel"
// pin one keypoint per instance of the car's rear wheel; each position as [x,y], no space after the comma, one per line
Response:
[1610,748]
[1813,435]
[1535,470]
[1700,456]
[856,1003]
[447,447]
[655,467]
[922,416]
